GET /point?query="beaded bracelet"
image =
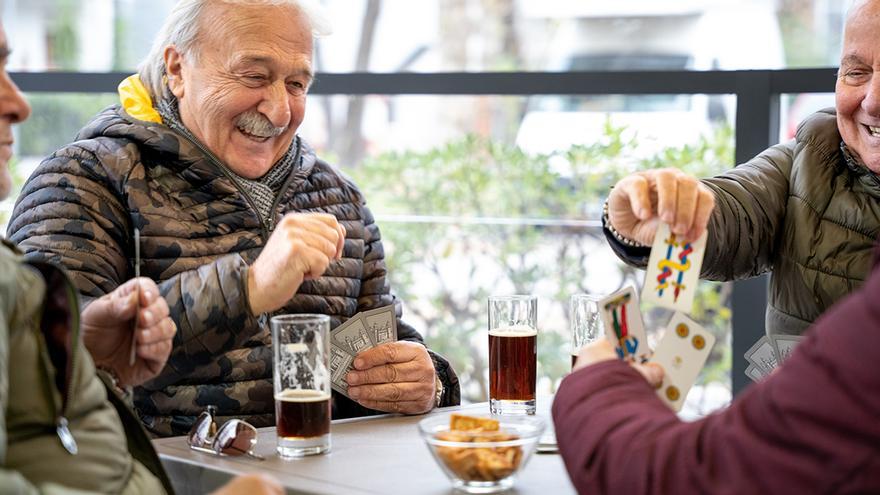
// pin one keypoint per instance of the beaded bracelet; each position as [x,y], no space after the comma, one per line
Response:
[617,235]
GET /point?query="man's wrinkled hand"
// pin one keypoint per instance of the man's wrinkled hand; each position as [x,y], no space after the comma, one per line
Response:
[107,331]
[301,248]
[640,200]
[395,377]
[602,350]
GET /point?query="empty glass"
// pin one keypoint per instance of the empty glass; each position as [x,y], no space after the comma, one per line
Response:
[586,324]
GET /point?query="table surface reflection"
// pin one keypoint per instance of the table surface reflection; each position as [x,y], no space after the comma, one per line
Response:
[376,455]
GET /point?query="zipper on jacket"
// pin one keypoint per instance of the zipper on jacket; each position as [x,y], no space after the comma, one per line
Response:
[61,425]
[62,428]
[296,166]
[264,223]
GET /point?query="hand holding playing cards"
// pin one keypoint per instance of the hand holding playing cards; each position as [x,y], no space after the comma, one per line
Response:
[394,377]
[640,200]
[301,248]
[107,331]
[602,350]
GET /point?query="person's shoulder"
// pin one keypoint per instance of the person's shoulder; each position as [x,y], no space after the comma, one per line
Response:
[10,257]
[328,173]
[111,141]
[819,129]
[14,275]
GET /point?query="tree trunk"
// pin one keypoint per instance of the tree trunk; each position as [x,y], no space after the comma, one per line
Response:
[351,145]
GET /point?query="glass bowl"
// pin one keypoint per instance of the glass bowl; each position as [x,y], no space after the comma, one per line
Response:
[482,462]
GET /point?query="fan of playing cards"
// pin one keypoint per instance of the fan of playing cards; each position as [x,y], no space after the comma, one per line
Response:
[768,353]
[361,331]
[671,281]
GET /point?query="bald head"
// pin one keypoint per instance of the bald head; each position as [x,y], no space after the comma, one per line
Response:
[857,93]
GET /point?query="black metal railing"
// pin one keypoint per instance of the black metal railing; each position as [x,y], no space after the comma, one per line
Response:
[757,121]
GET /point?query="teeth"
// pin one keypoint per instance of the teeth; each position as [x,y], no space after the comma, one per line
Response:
[874,130]
[254,136]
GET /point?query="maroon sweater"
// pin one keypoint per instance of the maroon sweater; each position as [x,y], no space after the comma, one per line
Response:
[811,427]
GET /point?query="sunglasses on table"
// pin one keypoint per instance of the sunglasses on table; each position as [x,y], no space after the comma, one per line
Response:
[235,437]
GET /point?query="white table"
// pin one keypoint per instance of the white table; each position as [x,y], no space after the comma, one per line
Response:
[376,455]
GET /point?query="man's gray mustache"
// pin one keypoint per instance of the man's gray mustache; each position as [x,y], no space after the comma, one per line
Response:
[253,122]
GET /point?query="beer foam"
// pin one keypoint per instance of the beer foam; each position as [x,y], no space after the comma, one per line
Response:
[302,395]
[514,331]
[296,348]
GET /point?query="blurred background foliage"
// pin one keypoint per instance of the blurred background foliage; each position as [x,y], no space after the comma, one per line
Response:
[494,198]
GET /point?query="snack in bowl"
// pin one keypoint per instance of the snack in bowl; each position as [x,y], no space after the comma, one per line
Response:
[489,463]
[481,454]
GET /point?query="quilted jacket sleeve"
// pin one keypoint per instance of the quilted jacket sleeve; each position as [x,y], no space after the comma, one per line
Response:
[810,427]
[73,212]
[749,209]
[376,292]
[750,205]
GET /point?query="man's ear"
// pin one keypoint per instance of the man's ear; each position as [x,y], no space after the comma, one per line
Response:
[174,70]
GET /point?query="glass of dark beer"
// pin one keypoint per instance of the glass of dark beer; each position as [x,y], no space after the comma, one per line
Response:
[513,354]
[586,324]
[302,384]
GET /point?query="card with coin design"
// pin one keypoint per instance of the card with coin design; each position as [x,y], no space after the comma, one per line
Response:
[682,353]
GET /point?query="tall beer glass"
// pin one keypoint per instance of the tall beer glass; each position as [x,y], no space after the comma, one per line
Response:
[302,384]
[586,324]
[513,354]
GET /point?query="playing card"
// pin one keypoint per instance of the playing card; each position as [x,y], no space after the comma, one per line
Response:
[381,324]
[762,355]
[755,373]
[352,336]
[137,273]
[784,345]
[673,270]
[623,325]
[682,353]
[341,363]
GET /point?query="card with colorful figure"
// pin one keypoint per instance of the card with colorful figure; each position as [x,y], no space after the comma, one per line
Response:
[673,270]
[623,325]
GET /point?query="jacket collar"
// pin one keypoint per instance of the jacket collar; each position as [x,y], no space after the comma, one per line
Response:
[136,101]
[868,179]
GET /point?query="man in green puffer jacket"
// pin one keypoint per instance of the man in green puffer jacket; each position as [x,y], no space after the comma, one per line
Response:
[63,431]
[808,211]
[239,219]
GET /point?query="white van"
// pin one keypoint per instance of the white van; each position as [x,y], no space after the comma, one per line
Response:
[644,36]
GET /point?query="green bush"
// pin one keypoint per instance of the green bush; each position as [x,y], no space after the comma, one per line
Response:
[474,182]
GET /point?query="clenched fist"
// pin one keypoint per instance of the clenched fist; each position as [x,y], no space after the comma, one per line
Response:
[301,248]
[642,199]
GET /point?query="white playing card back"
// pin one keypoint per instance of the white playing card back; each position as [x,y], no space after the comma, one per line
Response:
[623,325]
[784,345]
[673,270]
[682,353]
[763,355]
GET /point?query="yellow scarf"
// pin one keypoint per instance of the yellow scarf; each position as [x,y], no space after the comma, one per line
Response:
[136,100]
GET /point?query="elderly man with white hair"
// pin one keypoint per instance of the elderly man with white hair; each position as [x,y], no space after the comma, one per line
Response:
[238,217]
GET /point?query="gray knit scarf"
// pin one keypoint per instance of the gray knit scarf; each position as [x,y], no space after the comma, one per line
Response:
[262,191]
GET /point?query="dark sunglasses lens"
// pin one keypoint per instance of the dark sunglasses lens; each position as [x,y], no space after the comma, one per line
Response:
[201,430]
[235,438]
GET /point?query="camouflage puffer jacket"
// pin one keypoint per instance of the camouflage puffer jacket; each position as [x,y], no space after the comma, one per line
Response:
[199,233]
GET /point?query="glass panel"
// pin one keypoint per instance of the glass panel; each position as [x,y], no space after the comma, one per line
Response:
[468,35]
[798,106]
[488,195]
[476,200]
[55,120]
